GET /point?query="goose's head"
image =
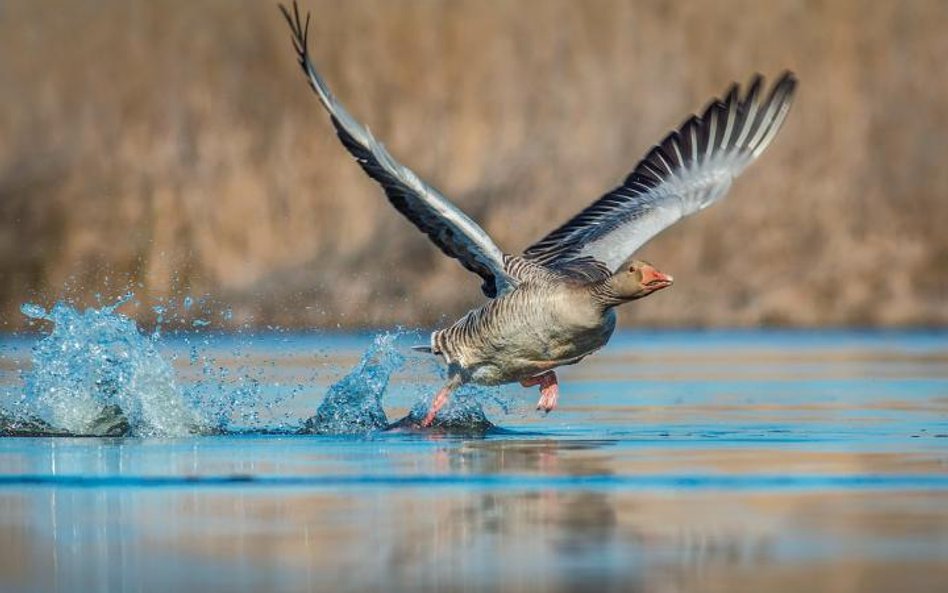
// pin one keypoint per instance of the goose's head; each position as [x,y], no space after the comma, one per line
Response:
[637,279]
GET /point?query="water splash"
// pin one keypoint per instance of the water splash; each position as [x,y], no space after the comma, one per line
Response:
[97,374]
[353,405]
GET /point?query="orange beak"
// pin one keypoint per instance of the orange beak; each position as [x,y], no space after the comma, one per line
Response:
[652,278]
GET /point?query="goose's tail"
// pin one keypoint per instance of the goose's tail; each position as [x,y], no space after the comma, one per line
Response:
[431,347]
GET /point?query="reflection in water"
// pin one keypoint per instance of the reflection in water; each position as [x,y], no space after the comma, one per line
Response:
[556,537]
[394,539]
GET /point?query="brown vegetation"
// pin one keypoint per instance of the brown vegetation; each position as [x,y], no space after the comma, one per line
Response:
[173,147]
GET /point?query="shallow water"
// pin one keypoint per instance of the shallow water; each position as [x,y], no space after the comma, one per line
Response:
[715,461]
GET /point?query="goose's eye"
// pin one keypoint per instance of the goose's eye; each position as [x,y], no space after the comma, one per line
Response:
[632,270]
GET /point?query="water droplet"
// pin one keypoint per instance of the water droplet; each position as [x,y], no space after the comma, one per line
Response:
[33,311]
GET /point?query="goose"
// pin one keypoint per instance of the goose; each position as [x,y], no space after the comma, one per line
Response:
[554,304]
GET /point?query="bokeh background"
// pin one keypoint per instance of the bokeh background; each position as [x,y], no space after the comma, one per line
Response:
[172,148]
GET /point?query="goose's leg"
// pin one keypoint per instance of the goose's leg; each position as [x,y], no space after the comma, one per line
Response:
[549,389]
[549,392]
[438,402]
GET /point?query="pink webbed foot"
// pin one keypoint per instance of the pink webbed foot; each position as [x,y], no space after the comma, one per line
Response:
[549,390]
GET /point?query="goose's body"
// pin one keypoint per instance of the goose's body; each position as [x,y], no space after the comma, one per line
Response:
[547,321]
[555,304]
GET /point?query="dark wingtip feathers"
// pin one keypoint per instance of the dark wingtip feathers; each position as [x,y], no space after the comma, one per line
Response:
[740,121]
[300,31]
[788,81]
[753,87]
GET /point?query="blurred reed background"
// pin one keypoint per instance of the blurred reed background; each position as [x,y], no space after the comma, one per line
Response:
[172,147]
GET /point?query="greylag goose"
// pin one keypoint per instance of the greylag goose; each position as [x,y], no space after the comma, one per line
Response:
[554,304]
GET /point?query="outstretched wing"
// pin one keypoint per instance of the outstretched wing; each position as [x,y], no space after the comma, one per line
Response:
[450,229]
[691,169]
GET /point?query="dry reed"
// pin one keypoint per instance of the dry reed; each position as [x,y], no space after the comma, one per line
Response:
[172,147]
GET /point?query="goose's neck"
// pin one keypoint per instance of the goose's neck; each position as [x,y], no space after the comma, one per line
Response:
[606,293]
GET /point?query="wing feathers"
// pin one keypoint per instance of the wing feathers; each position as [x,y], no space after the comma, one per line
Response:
[691,168]
[450,229]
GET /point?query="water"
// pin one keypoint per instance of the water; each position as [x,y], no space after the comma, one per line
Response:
[678,461]
[96,373]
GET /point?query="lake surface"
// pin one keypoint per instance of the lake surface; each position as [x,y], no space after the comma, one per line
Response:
[678,461]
